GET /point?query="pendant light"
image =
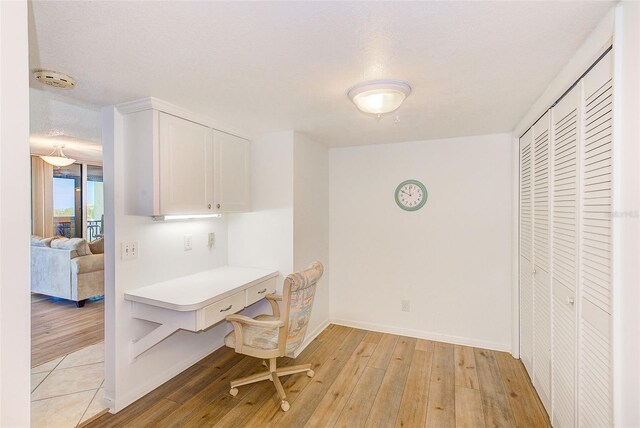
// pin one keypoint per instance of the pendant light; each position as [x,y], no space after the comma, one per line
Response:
[57,158]
[379,96]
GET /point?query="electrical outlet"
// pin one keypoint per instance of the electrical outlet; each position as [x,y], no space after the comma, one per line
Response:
[129,250]
[187,243]
[212,239]
[405,305]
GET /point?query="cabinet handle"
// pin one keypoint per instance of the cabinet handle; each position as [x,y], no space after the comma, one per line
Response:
[569,300]
[209,206]
[226,309]
[218,206]
[264,290]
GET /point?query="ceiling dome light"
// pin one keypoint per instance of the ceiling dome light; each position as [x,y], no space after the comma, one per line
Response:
[379,96]
[59,159]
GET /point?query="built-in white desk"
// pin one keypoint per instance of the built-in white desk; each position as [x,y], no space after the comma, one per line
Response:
[196,302]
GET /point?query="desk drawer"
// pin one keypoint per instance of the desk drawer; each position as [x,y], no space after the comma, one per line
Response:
[260,290]
[216,312]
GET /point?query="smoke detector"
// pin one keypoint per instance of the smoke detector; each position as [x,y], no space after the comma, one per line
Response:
[55,79]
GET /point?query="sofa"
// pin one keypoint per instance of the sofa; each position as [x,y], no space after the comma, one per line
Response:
[71,269]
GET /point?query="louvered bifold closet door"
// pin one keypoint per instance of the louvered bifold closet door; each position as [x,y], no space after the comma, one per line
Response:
[526,250]
[564,258]
[541,257]
[595,374]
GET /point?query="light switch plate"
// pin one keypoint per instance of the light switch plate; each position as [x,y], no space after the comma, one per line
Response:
[212,240]
[187,243]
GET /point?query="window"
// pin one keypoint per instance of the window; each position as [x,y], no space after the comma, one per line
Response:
[95,202]
[67,201]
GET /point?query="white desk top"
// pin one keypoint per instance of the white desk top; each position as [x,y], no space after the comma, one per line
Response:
[193,292]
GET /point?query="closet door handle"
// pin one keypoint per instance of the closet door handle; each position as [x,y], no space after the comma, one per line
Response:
[226,309]
[570,301]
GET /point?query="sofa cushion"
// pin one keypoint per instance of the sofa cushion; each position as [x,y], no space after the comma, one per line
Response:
[39,241]
[97,246]
[78,246]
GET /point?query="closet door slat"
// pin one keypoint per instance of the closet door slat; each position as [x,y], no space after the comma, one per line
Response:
[526,250]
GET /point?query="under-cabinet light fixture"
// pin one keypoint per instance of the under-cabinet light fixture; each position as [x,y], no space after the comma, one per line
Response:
[185,217]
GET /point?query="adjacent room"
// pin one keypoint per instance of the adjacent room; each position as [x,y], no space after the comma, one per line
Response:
[321,214]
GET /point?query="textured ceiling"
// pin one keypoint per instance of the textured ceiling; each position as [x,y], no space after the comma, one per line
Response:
[475,67]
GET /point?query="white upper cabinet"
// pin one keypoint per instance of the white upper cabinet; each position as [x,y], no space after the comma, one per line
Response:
[181,166]
[186,166]
[231,182]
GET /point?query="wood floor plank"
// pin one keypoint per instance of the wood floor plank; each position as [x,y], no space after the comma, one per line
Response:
[468,408]
[356,411]
[328,410]
[466,374]
[497,411]
[270,411]
[441,410]
[417,388]
[387,403]
[413,408]
[382,355]
[522,396]
[59,328]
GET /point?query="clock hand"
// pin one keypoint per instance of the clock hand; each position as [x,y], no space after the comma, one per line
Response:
[408,194]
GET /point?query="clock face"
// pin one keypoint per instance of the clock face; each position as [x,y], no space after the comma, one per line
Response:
[411,195]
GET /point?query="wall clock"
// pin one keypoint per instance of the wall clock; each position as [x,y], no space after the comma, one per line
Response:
[411,195]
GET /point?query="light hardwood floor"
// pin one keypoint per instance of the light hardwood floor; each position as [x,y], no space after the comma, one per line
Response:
[59,328]
[361,379]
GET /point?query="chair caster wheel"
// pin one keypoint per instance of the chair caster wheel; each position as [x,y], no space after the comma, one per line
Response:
[311,373]
[285,406]
[233,392]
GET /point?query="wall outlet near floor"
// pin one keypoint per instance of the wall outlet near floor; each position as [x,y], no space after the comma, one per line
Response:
[212,240]
[129,250]
[405,305]
[187,243]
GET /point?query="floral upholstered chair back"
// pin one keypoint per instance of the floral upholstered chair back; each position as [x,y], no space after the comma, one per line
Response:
[301,289]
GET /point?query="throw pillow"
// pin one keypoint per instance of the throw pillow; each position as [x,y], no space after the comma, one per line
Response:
[97,246]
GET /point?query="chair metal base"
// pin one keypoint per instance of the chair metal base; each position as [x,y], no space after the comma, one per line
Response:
[273,375]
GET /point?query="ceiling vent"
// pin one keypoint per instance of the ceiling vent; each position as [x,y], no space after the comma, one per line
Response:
[55,79]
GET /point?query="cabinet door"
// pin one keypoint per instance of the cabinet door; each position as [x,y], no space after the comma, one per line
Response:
[186,166]
[541,256]
[526,251]
[232,191]
[564,257]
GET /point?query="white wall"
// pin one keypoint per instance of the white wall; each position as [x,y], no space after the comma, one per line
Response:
[288,226]
[626,219]
[311,221]
[161,257]
[451,259]
[264,237]
[15,195]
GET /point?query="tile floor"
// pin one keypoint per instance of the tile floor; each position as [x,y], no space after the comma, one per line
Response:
[67,391]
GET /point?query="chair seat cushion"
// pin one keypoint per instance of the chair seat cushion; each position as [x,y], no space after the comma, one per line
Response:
[256,337]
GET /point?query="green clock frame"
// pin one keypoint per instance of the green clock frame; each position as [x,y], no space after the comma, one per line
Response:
[416,183]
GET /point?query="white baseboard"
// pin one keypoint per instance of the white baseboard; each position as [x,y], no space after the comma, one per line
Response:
[420,334]
[162,377]
[310,336]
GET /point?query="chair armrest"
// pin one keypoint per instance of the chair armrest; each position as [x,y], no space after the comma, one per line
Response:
[273,301]
[243,319]
[273,297]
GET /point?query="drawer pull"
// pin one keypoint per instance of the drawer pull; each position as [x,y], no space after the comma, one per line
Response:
[264,290]
[226,309]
